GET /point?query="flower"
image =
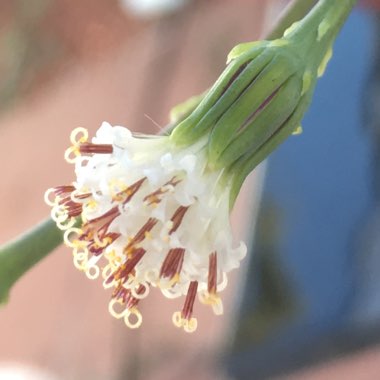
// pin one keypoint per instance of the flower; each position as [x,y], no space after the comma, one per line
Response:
[153,211]
[152,215]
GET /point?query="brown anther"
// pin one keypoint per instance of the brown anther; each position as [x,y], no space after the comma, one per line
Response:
[89,148]
[73,209]
[133,301]
[112,213]
[187,310]
[177,218]
[120,293]
[141,234]
[96,250]
[83,196]
[212,273]
[63,189]
[99,227]
[172,264]
[155,196]
[125,269]
[130,191]
[125,295]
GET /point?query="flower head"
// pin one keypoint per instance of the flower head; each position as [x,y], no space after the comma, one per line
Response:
[152,215]
[154,210]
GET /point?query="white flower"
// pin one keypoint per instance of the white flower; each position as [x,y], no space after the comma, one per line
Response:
[152,215]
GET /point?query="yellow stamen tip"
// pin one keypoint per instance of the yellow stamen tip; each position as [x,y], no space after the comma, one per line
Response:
[79,136]
[136,315]
[114,312]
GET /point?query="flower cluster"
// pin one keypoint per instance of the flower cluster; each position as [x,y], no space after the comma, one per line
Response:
[144,213]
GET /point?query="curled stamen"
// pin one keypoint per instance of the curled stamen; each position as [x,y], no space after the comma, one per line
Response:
[79,136]
[114,306]
[71,154]
[134,313]
[97,246]
[141,292]
[56,192]
[65,224]
[92,272]
[184,318]
[71,237]
[125,296]
[72,209]
[80,258]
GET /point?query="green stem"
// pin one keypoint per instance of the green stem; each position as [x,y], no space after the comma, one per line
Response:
[294,12]
[21,254]
[326,19]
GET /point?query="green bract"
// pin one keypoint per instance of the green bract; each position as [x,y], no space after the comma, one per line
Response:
[263,94]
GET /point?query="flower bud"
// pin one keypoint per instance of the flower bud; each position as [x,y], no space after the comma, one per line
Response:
[263,107]
[263,94]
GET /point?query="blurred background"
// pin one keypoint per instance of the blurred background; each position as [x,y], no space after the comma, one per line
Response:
[306,302]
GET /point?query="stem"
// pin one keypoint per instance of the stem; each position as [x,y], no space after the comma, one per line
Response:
[326,18]
[21,254]
[294,12]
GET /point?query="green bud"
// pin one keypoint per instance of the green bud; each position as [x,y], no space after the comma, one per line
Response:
[235,78]
[263,94]
[259,111]
[182,110]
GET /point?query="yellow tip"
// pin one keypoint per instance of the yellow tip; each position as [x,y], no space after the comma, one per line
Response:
[47,197]
[92,272]
[133,318]
[113,307]
[190,325]
[177,319]
[71,154]
[79,136]
[70,237]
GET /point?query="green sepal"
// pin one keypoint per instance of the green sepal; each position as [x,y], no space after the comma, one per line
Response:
[237,75]
[242,167]
[264,125]
[182,110]
[240,49]
[237,116]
